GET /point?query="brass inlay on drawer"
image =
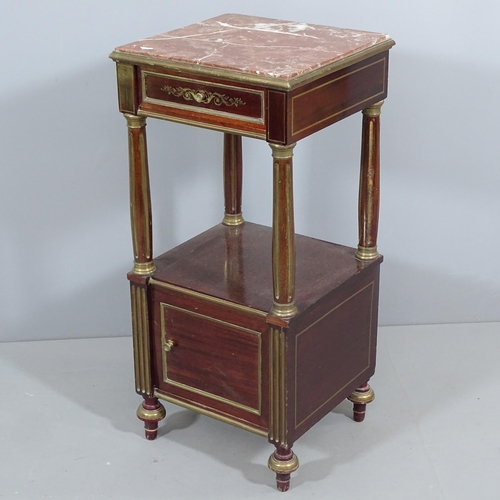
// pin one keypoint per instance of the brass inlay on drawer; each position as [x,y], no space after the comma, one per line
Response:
[202,96]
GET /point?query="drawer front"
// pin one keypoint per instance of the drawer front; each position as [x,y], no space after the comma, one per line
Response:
[203,97]
[207,357]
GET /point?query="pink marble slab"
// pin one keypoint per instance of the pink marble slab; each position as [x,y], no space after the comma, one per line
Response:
[257,45]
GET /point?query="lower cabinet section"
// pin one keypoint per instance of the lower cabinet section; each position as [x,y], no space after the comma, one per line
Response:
[238,364]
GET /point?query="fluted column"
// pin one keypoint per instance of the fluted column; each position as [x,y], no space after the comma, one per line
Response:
[369,184]
[283,248]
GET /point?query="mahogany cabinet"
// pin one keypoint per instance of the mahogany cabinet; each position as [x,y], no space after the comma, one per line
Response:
[259,327]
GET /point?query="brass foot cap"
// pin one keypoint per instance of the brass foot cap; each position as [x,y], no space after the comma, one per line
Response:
[285,466]
[153,415]
[362,397]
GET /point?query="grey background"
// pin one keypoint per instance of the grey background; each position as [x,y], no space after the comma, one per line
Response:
[65,242]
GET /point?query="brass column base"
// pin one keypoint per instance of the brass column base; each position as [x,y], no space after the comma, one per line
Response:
[233,219]
[367,253]
[284,310]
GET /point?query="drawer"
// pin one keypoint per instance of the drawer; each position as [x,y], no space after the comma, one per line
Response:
[200,96]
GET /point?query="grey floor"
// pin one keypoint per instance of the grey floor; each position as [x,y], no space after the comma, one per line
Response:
[68,428]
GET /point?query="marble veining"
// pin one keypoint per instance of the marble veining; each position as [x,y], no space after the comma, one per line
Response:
[268,47]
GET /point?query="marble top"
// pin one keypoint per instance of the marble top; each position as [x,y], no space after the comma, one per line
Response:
[267,47]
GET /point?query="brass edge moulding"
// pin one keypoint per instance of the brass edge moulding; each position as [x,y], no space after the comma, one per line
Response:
[251,78]
[209,413]
[283,467]
[140,335]
[167,345]
[362,397]
[366,253]
[151,415]
[374,109]
[357,375]
[127,98]
[233,219]
[208,298]
[219,128]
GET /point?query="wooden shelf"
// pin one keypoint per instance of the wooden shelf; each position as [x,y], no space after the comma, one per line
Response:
[234,264]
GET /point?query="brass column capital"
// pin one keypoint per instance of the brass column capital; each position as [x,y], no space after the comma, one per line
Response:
[282,152]
[134,121]
[374,109]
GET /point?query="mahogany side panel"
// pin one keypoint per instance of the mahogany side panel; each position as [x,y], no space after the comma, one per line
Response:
[336,96]
[335,353]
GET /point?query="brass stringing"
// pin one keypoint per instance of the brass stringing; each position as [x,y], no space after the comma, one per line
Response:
[202,96]
[140,335]
[277,406]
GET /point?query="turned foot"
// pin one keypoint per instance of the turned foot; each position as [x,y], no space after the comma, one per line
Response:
[361,397]
[151,411]
[283,462]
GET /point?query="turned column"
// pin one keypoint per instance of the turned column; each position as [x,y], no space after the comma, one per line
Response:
[232,180]
[283,246]
[140,197]
[151,411]
[369,184]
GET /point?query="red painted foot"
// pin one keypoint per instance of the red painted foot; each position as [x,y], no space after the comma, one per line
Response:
[359,412]
[283,462]
[151,411]
[361,397]
[283,482]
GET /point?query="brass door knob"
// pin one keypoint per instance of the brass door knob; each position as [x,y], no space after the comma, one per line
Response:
[168,345]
